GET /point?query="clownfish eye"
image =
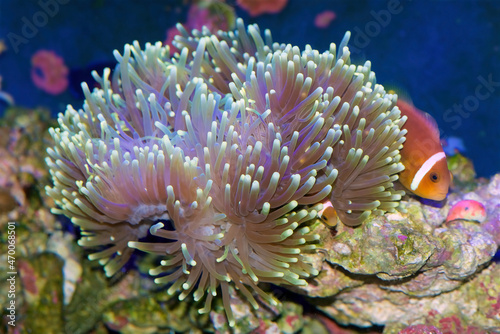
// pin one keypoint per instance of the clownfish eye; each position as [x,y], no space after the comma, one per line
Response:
[434,177]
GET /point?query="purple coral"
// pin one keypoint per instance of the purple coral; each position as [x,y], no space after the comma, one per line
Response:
[223,151]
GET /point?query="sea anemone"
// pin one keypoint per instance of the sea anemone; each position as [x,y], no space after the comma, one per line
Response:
[224,151]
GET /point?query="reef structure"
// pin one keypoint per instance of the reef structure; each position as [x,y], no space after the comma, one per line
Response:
[225,152]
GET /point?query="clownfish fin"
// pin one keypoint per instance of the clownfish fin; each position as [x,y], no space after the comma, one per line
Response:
[405,101]
[431,122]
[407,107]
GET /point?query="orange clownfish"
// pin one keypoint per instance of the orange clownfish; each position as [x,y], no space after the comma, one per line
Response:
[328,214]
[426,171]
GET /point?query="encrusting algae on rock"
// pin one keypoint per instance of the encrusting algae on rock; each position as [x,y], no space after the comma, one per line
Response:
[225,152]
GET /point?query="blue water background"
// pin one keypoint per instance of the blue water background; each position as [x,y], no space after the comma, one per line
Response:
[442,53]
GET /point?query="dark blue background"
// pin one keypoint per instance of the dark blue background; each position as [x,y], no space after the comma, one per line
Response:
[437,51]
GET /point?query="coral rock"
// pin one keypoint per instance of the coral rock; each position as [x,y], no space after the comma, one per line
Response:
[413,268]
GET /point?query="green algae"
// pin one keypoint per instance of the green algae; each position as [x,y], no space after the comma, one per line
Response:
[88,302]
[41,281]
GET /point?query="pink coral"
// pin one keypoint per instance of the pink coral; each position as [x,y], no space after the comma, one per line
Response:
[199,17]
[467,210]
[171,33]
[421,329]
[258,7]
[48,72]
[323,19]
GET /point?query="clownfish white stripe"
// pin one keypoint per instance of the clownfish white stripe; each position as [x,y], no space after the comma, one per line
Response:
[425,168]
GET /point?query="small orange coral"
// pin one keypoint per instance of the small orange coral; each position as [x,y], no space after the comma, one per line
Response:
[258,7]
